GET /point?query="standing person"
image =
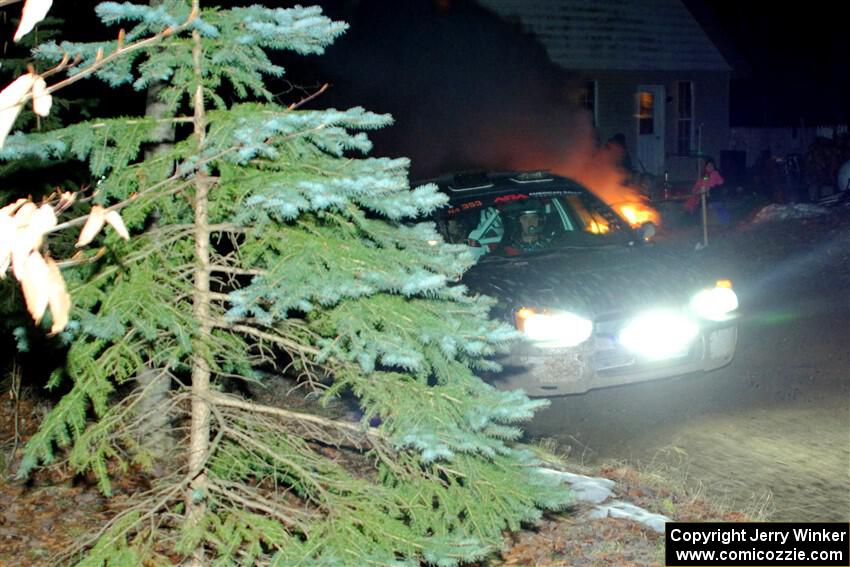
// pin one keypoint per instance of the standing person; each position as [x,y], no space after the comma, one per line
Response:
[710,178]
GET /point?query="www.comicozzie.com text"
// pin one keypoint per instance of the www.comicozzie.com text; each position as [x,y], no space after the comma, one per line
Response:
[756,534]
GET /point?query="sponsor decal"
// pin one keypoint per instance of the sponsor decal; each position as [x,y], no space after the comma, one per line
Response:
[512,197]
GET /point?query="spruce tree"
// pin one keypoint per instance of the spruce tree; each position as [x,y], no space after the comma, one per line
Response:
[277,242]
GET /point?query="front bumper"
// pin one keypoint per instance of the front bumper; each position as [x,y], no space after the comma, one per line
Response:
[602,362]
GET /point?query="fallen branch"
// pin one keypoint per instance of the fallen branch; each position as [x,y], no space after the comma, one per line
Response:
[249,499]
[364,438]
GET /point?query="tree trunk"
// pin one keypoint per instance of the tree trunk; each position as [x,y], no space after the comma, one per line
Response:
[155,383]
[200,427]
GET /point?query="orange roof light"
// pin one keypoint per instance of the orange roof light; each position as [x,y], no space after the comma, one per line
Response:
[724,284]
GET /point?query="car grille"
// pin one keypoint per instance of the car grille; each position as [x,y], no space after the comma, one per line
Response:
[611,358]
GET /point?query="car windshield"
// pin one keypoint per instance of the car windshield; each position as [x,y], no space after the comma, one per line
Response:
[521,224]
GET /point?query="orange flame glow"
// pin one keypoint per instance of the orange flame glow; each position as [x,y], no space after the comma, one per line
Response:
[638,213]
[597,168]
[599,227]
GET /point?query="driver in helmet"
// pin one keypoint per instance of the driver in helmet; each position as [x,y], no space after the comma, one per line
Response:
[527,232]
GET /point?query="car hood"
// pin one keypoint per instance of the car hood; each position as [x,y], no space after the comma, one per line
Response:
[592,282]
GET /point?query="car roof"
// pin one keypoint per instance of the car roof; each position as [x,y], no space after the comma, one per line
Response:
[467,185]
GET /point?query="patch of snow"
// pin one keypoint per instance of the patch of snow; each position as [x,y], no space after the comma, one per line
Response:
[586,488]
[624,510]
[597,490]
[776,212]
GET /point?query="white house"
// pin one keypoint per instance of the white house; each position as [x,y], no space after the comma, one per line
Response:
[643,68]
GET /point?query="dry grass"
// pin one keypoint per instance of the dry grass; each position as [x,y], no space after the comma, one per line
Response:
[663,486]
[670,471]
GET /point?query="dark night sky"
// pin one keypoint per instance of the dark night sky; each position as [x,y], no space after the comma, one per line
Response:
[424,65]
[792,61]
[794,58]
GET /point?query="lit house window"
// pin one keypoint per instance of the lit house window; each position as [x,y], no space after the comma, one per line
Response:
[645,113]
[588,99]
[684,132]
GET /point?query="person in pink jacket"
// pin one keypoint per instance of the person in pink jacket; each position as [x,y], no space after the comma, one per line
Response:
[710,178]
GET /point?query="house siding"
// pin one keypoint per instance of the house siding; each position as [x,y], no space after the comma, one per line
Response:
[621,44]
[616,92]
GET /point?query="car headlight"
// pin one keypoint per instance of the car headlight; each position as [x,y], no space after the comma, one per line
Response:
[715,304]
[553,328]
[659,334]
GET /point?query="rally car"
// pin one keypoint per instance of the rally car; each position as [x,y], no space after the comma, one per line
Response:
[597,305]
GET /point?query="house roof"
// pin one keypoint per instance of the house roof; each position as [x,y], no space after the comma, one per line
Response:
[621,35]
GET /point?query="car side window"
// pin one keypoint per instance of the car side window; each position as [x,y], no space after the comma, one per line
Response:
[566,220]
[482,228]
[490,229]
[590,219]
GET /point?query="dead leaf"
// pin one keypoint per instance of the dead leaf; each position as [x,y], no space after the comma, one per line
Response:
[34,11]
[34,282]
[92,226]
[24,214]
[58,299]
[28,228]
[67,198]
[43,220]
[11,102]
[41,99]
[10,210]
[114,219]
[7,235]
[25,239]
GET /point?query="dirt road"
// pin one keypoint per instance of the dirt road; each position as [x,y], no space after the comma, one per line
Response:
[770,433]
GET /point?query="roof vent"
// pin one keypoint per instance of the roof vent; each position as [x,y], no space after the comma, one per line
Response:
[532,177]
[470,180]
